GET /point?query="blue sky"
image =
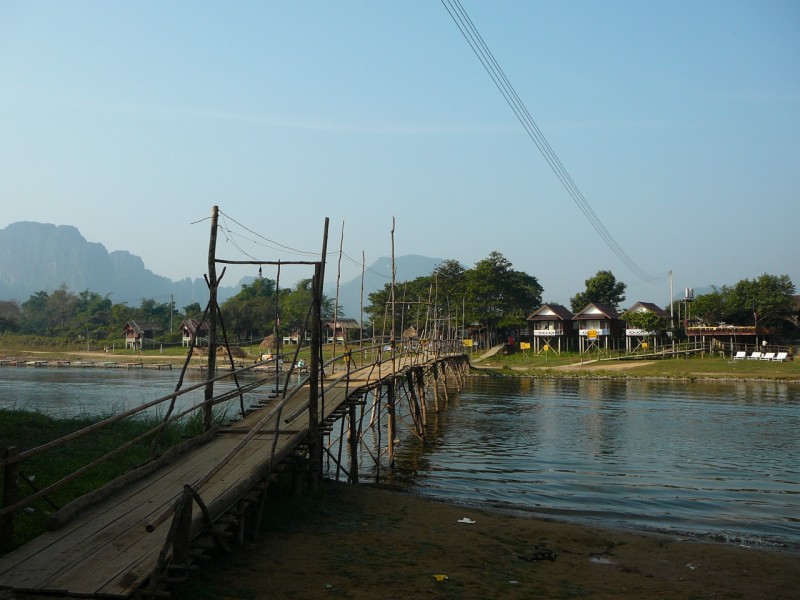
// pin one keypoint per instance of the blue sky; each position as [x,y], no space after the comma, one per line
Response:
[679,122]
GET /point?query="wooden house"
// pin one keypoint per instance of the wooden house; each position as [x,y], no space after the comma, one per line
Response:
[193,328]
[637,338]
[340,329]
[599,327]
[293,337]
[552,328]
[137,332]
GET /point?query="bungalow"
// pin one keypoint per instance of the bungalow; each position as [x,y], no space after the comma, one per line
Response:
[599,327]
[137,332]
[552,328]
[339,329]
[640,337]
[193,328]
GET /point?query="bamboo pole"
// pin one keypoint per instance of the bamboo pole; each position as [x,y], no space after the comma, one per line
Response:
[390,425]
[212,320]
[435,371]
[315,439]
[353,443]
[336,302]
[420,381]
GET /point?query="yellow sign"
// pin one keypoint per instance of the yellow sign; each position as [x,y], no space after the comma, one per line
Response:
[592,334]
[467,343]
[546,347]
[645,345]
[524,345]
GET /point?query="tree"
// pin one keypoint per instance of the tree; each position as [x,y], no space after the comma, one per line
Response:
[491,293]
[712,308]
[767,300]
[34,314]
[295,305]
[10,315]
[193,310]
[499,296]
[646,320]
[603,288]
[251,311]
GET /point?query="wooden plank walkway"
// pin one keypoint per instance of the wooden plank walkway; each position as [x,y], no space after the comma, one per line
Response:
[108,552]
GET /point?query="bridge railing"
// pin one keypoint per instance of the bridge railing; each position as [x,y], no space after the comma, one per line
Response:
[334,371]
[141,447]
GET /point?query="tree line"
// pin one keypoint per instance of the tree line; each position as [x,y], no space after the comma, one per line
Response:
[491,296]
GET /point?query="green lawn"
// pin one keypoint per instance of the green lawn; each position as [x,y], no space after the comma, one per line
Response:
[694,366]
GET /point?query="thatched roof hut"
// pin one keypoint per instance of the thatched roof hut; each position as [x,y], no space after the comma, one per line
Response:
[269,343]
[410,333]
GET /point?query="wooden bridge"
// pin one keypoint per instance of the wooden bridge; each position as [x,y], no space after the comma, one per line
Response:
[147,529]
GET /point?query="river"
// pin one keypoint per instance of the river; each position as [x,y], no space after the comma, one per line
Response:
[702,459]
[707,459]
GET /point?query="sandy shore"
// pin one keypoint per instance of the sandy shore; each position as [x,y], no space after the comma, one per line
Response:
[365,543]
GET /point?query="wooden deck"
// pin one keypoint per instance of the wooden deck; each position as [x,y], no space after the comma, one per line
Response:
[107,551]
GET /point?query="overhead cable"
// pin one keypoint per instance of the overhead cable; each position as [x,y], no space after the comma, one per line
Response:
[485,56]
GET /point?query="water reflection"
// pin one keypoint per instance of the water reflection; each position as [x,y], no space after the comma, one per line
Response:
[717,458]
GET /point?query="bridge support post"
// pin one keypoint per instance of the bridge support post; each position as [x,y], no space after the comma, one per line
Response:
[390,425]
[435,371]
[352,440]
[423,402]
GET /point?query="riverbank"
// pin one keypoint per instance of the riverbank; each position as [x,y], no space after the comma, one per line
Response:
[689,368]
[698,367]
[362,542]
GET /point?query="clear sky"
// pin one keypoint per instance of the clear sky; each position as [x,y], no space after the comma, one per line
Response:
[679,121]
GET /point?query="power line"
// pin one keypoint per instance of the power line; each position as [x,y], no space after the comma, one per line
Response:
[485,56]
[266,242]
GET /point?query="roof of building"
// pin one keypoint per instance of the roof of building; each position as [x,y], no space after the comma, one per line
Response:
[194,325]
[141,327]
[649,307]
[343,323]
[546,312]
[593,309]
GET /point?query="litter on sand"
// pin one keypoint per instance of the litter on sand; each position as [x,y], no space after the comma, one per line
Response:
[466,520]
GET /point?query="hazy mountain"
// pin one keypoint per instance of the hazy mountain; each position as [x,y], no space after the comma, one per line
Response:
[38,256]
[377,275]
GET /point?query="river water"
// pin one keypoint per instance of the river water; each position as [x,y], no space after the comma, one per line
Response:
[706,459]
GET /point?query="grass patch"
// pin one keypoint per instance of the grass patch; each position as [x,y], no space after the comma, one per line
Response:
[684,367]
[27,430]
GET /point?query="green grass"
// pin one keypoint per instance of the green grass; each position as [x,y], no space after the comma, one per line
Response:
[691,367]
[27,430]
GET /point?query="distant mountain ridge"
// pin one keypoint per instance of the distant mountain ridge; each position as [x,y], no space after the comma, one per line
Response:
[377,275]
[40,256]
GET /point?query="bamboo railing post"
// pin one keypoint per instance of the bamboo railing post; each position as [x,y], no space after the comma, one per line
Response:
[10,489]
[314,437]
[181,543]
[212,320]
